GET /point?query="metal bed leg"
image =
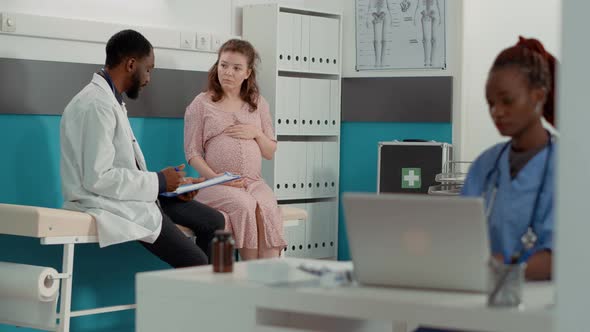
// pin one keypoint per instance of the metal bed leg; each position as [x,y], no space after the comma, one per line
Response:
[65,309]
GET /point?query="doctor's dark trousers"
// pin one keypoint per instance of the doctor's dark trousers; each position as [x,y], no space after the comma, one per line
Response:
[173,246]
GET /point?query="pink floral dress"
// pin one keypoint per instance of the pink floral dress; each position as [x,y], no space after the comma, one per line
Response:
[204,125]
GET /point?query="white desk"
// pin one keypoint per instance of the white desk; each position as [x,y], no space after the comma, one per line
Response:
[195,299]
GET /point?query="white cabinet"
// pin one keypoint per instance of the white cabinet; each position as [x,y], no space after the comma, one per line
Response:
[299,75]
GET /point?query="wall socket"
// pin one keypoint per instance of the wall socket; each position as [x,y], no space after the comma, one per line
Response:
[216,42]
[203,41]
[187,40]
[8,22]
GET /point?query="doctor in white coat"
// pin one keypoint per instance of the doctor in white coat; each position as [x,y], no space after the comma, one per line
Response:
[104,172]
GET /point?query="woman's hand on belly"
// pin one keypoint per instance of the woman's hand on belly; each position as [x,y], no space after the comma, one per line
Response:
[243,131]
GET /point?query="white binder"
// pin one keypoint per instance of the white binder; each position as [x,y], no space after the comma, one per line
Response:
[315,106]
[305,33]
[290,177]
[330,169]
[281,161]
[334,125]
[323,97]
[295,235]
[300,154]
[320,40]
[306,107]
[320,229]
[333,45]
[314,168]
[285,40]
[287,113]
[296,57]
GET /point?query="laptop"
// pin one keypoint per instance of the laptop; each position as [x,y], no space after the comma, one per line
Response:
[418,241]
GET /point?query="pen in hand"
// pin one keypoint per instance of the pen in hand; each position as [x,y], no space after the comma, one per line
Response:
[184,180]
[174,177]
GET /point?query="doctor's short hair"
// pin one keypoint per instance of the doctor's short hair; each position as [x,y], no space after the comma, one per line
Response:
[126,44]
[538,66]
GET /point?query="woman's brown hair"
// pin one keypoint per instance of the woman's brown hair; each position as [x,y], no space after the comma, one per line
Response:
[249,91]
[538,66]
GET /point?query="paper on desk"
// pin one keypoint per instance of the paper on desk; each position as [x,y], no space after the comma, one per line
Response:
[225,177]
[276,272]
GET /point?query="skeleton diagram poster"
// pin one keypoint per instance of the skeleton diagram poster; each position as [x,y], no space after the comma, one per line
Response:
[400,34]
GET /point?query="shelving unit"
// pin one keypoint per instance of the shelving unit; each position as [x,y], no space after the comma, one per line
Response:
[300,76]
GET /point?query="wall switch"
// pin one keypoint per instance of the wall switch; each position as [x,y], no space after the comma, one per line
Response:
[203,41]
[187,40]
[8,22]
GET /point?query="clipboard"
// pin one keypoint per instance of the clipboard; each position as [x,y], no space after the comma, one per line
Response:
[185,188]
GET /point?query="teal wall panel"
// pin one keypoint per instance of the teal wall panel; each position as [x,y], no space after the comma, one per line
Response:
[29,175]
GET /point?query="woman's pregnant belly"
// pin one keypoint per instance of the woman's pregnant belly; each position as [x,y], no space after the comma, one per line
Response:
[227,154]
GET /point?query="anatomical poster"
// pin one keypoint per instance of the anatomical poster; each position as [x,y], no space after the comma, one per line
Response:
[400,34]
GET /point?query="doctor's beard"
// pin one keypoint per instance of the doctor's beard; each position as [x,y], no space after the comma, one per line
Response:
[133,91]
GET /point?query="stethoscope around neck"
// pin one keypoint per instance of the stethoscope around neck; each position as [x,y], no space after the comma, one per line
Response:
[529,235]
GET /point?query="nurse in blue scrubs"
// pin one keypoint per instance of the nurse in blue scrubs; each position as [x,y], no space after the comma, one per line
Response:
[517,178]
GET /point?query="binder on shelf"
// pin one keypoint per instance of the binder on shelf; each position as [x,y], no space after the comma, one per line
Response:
[300,154]
[284,41]
[290,177]
[321,229]
[315,106]
[333,45]
[334,127]
[330,168]
[287,111]
[305,33]
[314,164]
[319,42]
[281,161]
[296,58]
[323,106]
[295,235]
[306,108]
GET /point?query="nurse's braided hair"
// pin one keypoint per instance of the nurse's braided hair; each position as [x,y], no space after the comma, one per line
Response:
[538,66]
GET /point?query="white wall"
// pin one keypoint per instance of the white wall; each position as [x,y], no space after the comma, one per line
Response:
[489,27]
[573,270]
[191,15]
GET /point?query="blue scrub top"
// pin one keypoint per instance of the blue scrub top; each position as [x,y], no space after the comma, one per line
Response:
[510,215]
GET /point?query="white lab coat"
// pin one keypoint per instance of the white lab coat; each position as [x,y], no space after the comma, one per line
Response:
[99,171]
